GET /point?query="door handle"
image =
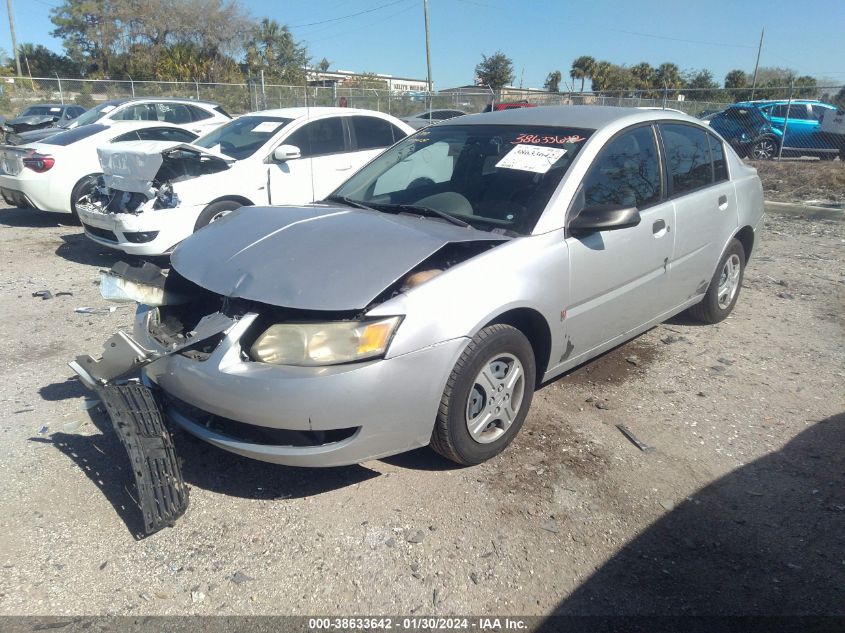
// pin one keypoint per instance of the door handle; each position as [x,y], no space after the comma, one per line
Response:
[658,228]
[723,203]
[347,168]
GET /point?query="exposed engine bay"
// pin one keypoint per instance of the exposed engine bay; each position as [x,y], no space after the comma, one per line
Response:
[133,176]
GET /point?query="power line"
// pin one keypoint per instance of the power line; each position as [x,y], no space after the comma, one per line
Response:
[351,15]
[677,39]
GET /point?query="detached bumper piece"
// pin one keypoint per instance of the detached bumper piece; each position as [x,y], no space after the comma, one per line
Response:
[137,420]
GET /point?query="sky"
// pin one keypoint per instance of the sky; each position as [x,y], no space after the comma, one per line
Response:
[387,36]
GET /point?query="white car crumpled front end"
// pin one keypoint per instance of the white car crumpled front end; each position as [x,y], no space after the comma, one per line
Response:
[150,195]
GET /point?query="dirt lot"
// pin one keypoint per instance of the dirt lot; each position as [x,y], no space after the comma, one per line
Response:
[740,509]
[806,181]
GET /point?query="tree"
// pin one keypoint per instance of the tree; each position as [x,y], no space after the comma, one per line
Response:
[495,71]
[271,48]
[553,81]
[583,68]
[644,76]
[669,77]
[701,84]
[806,87]
[736,79]
[42,62]
[599,75]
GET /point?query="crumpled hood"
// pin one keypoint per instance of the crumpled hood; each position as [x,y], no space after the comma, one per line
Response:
[312,258]
[131,166]
[32,119]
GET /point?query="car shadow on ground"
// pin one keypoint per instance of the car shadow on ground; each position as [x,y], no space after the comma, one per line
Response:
[80,250]
[32,218]
[766,539]
[102,458]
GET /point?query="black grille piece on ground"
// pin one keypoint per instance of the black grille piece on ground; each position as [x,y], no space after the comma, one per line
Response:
[135,415]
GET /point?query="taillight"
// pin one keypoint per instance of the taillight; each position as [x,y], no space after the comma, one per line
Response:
[38,162]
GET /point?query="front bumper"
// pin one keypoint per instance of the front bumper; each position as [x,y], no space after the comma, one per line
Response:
[392,403]
[170,225]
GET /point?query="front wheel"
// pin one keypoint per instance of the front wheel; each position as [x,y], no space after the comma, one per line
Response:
[215,211]
[487,396]
[723,290]
[764,149]
[82,188]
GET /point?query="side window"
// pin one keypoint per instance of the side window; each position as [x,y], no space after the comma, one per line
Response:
[799,111]
[137,112]
[626,172]
[318,138]
[198,114]
[779,111]
[175,113]
[398,134]
[129,136]
[720,167]
[372,133]
[687,157]
[166,134]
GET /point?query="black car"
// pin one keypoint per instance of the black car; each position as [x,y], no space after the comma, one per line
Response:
[36,117]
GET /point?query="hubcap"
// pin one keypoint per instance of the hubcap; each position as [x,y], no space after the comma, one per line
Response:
[764,150]
[495,398]
[728,281]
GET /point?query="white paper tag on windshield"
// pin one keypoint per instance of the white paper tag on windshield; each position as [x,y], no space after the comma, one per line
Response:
[534,158]
[55,109]
[266,126]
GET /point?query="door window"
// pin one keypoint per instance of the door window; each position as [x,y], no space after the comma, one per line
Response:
[319,138]
[720,167]
[372,132]
[198,114]
[687,157]
[626,172]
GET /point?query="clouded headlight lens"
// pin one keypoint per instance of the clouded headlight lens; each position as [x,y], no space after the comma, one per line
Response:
[310,344]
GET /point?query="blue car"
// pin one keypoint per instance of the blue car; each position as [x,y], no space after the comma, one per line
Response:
[756,129]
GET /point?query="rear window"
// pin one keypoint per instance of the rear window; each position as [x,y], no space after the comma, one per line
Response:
[76,134]
[41,110]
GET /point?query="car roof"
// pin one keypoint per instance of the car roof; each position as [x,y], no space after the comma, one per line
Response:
[762,102]
[122,100]
[577,116]
[48,105]
[300,112]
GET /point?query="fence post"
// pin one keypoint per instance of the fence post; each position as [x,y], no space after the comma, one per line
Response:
[197,84]
[131,85]
[61,94]
[786,118]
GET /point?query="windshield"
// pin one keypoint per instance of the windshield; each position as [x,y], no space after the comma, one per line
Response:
[493,177]
[41,110]
[92,115]
[242,137]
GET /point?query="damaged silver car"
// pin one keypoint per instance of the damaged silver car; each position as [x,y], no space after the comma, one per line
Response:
[425,300]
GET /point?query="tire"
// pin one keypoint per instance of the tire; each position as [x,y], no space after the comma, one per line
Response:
[731,267]
[80,189]
[765,148]
[496,351]
[215,211]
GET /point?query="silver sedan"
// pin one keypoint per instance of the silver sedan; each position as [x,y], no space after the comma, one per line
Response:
[424,301]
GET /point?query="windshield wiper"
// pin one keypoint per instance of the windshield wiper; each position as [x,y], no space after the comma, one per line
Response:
[349,202]
[423,210]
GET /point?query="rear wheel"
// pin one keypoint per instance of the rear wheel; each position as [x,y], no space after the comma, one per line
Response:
[80,189]
[723,290]
[215,211]
[487,396]
[765,148]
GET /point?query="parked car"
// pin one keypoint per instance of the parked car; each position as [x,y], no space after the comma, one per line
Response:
[198,117]
[36,117]
[508,105]
[430,117]
[286,156]
[52,174]
[756,129]
[832,126]
[426,298]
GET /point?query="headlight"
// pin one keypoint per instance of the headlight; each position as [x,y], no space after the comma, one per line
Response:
[311,344]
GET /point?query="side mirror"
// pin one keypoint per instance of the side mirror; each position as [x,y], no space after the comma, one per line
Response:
[604,217]
[286,152]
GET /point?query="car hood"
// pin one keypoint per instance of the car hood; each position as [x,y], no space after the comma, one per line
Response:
[315,257]
[132,166]
[32,119]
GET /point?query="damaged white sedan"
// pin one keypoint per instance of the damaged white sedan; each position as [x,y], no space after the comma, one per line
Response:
[151,197]
[427,297]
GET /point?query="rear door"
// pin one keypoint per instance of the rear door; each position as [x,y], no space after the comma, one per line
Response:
[705,205]
[800,125]
[618,278]
[325,162]
[370,136]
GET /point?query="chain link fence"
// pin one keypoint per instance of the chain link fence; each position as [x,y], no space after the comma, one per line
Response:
[761,129]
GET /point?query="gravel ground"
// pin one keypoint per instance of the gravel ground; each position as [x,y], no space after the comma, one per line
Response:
[739,509]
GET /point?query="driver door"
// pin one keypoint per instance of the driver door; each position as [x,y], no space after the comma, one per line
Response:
[324,164]
[619,278]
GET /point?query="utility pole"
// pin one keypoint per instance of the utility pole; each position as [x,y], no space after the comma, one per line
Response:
[15,39]
[757,64]
[427,44]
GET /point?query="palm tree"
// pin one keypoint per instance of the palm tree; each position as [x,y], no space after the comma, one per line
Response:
[583,68]
[553,81]
[601,74]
